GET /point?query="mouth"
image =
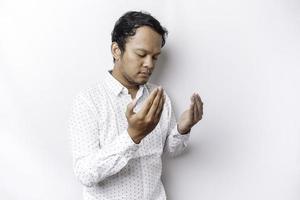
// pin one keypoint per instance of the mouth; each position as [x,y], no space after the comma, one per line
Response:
[145,74]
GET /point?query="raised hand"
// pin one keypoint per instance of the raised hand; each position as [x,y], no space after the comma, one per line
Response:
[191,116]
[143,122]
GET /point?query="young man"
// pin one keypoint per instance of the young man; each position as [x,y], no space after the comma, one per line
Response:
[120,127]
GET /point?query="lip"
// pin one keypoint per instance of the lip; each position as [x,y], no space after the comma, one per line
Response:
[144,74]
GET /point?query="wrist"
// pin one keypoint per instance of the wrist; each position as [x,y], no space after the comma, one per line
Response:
[134,136]
[183,131]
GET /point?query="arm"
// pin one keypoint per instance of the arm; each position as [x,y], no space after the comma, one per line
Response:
[93,163]
[178,136]
[175,142]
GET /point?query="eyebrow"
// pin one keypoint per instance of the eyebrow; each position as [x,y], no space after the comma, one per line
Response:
[144,50]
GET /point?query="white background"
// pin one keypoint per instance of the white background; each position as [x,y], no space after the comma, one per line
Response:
[242,56]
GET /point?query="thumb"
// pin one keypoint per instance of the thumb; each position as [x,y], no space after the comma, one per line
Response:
[130,107]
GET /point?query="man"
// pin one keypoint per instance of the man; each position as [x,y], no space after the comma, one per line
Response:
[120,127]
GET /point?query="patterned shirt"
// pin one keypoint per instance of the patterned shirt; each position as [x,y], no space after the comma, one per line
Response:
[106,161]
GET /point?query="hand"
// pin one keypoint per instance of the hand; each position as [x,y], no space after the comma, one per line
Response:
[191,116]
[143,122]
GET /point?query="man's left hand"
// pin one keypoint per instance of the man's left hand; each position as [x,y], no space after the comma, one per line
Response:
[191,116]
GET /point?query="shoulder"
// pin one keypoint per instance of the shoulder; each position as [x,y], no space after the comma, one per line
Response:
[89,92]
[92,96]
[91,101]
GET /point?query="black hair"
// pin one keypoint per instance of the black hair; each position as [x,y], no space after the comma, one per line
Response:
[127,24]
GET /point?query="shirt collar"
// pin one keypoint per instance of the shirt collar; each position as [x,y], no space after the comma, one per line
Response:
[115,86]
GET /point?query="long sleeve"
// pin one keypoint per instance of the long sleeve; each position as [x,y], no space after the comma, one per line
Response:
[92,162]
[175,142]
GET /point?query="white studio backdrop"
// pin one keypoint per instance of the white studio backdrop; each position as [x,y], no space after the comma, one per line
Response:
[242,56]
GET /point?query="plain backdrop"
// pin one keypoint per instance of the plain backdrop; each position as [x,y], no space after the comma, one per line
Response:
[242,56]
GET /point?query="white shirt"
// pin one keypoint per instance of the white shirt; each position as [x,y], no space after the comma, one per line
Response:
[105,159]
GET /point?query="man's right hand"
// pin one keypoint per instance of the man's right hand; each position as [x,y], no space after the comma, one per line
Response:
[143,122]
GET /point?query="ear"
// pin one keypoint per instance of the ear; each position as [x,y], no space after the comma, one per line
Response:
[116,51]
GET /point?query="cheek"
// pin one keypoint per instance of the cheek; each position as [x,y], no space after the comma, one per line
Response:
[134,61]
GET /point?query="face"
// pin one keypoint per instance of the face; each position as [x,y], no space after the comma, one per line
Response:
[137,62]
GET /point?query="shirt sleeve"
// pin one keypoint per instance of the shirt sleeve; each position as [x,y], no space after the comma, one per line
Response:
[175,143]
[92,163]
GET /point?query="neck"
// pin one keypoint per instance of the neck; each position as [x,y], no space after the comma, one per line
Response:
[118,75]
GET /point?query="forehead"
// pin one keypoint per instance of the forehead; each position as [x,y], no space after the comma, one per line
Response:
[145,38]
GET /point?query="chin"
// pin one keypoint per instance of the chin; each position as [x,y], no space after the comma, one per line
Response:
[143,81]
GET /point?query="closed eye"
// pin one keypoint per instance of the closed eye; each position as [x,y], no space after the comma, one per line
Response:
[141,55]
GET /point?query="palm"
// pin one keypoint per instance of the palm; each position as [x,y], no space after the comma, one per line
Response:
[185,119]
[192,115]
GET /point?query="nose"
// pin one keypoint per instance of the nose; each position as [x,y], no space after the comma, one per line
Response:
[149,62]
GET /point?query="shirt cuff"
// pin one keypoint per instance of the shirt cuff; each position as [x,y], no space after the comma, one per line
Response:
[181,136]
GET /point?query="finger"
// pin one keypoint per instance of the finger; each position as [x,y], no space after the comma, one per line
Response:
[160,107]
[198,96]
[195,110]
[130,107]
[148,102]
[155,104]
[199,106]
[191,110]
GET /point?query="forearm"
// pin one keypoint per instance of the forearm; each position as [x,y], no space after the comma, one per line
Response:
[106,161]
[176,142]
